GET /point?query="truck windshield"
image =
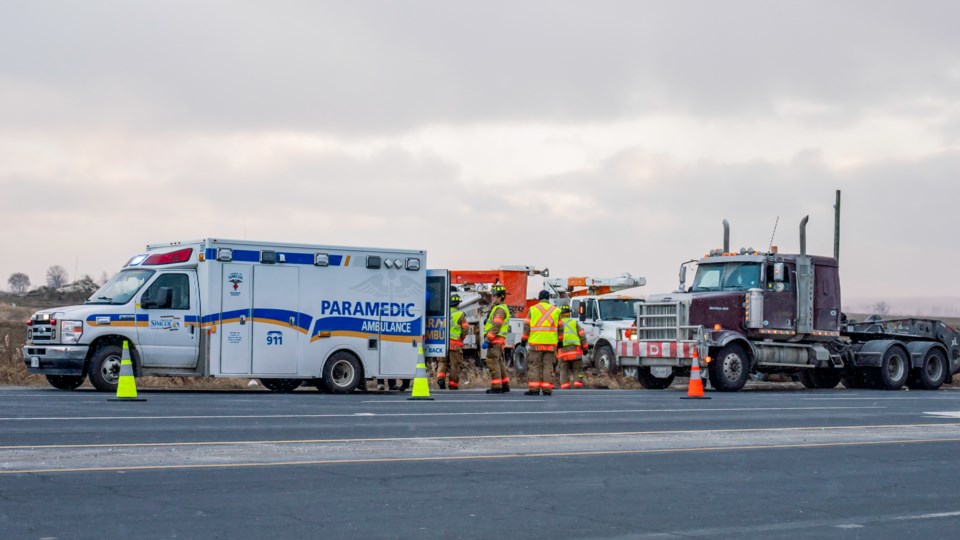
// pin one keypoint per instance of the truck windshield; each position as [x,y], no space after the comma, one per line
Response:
[618,309]
[732,276]
[121,287]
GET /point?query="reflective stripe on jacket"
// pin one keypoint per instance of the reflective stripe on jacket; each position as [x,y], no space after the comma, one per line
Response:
[542,324]
[495,329]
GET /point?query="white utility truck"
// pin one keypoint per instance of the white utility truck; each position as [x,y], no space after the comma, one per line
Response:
[606,318]
[281,313]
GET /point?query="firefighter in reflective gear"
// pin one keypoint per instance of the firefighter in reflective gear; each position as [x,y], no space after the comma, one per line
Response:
[494,338]
[572,349]
[542,330]
[458,327]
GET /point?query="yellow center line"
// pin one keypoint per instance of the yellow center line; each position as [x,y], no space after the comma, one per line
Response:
[478,437]
[465,458]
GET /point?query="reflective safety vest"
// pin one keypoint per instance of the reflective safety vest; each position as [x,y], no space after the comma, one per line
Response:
[571,335]
[506,318]
[456,331]
[544,320]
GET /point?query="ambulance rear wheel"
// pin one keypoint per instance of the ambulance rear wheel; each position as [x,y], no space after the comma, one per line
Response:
[281,385]
[321,386]
[342,373]
[65,382]
[104,369]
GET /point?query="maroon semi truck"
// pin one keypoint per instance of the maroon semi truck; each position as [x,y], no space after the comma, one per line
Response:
[752,312]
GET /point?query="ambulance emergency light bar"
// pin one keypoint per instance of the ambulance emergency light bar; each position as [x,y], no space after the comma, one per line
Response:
[160,259]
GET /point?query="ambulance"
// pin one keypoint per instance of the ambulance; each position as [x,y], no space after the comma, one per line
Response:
[285,314]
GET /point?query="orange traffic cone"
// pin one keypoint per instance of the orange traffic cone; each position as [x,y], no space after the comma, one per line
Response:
[695,387]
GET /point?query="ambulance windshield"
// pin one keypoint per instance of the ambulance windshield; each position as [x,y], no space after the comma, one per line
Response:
[121,287]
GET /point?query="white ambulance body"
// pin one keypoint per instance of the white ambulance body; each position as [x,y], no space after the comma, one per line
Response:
[281,313]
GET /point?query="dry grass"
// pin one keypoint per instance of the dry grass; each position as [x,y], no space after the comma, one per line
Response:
[13,371]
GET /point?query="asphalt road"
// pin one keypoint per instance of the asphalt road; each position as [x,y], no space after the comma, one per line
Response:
[580,464]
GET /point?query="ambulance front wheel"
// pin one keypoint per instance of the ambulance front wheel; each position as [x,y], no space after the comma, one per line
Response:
[342,373]
[65,382]
[104,368]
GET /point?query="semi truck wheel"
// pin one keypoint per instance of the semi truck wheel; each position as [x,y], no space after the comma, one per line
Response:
[281,385]
[856,378]
[104,369]
[342,373]
[65,382]
[648,381]
[604,360]
[931,374]
[894,368]
[819,378]
[729,369]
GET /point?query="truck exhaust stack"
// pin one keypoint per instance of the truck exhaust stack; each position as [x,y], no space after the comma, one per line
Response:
[803,235]
[726,236]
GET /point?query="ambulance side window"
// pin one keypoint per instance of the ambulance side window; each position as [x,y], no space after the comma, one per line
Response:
[179,285]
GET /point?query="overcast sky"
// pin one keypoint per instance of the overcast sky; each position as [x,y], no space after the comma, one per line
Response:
[593,138]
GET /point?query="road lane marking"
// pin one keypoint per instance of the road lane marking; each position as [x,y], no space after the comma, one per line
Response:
[819,429]
[473,458]
[470,413]
[945,414]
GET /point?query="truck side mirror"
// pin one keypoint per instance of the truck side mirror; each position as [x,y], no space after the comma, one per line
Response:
[778,272]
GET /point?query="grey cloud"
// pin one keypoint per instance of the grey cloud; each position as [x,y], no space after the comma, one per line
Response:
[365,67]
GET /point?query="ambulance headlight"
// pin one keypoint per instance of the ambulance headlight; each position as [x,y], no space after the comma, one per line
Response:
[413,264]
[70,331]
[321,259]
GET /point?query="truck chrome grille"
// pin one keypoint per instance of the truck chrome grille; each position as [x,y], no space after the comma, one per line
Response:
[658,322]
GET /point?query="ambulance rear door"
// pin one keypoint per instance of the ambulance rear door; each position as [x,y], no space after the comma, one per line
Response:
[437,313]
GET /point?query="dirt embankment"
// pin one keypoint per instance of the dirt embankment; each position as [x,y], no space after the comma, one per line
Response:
[15,311]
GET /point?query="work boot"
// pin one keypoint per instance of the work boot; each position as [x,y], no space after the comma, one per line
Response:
[494,390]
[506,388]
[442,383]
[532,393]
[547,393]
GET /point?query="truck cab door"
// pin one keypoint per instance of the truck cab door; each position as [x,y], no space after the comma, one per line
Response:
[591,321]
[779,300]
[169,336]
[436,340]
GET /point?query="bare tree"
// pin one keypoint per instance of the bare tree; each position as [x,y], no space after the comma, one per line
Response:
[56,276]
[19,282]
[882,309]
